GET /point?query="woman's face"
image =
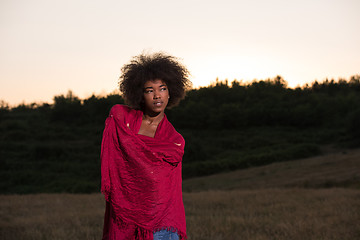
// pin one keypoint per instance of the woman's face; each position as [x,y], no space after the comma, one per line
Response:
[156,96]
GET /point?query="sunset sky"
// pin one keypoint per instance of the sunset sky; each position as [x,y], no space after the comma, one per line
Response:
[48,47]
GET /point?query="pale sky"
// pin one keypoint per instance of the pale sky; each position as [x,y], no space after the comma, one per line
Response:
[48,47]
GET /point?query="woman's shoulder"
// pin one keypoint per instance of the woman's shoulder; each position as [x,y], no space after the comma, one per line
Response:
[118,108]
[120,111]
[172,134]
[179,139]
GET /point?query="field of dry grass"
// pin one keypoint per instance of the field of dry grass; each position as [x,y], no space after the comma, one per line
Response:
[51,216]
[270,202]
[277,214]
[238,214]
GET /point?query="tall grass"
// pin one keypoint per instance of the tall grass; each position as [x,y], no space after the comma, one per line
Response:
[268,202]
[47,216]
[279,214]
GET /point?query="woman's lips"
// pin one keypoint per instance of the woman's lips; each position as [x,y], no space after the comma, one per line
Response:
[158,103]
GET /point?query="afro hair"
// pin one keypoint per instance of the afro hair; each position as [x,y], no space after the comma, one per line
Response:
[145,67]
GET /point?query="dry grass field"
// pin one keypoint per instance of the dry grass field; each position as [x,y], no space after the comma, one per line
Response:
[51,216]
[316,198]
[295,214]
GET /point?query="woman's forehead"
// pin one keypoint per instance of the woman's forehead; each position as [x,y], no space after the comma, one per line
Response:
[154,83]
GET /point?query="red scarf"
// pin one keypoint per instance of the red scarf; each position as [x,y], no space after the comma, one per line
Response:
[141,177]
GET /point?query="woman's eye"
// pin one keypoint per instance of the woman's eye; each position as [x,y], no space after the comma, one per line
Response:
[148,91]
[163,89]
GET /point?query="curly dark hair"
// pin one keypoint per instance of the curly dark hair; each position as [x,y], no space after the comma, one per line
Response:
[145,67]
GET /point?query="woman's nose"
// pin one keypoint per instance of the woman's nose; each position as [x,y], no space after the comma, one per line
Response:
[156,94]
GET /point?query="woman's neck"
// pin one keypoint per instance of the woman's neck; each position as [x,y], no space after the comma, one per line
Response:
[153,118]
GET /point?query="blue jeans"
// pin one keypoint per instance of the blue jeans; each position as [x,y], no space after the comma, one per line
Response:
[165,235]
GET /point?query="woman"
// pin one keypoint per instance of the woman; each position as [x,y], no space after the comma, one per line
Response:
[141,153]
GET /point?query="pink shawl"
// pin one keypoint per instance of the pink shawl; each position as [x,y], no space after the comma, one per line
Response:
[141,177]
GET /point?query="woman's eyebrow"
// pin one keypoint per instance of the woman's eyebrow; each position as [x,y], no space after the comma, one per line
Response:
[163,85]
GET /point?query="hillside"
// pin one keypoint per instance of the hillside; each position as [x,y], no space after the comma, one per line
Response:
[333,169]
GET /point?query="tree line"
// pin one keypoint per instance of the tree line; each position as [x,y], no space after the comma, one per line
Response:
[225,105]
[227,125]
